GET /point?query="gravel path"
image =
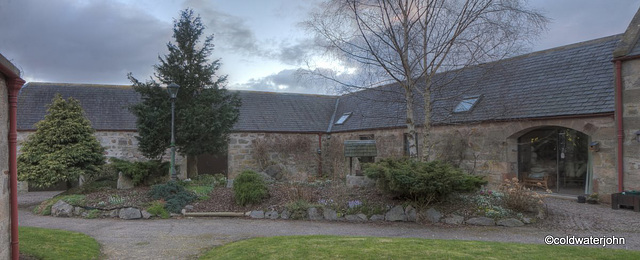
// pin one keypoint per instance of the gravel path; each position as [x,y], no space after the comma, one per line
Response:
[186,238]
[568,215]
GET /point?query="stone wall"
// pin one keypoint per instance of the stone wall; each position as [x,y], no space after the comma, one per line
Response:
[295,153]
[491,149]
[631,123]
[119,144]
[5,221]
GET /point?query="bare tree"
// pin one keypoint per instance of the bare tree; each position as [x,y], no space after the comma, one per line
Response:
[409,42]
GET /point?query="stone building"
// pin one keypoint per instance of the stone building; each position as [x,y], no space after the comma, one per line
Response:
[10,83]
[567,117]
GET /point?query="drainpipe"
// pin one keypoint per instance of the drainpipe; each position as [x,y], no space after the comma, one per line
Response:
[619,124]
[14,88]
[319,154]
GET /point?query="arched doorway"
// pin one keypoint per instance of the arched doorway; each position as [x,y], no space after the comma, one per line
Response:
[559,156]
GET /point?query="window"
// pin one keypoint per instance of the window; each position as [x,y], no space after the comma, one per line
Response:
[343,118]
[466,104]
[367,137]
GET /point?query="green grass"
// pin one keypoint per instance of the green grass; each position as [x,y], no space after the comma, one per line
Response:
[46,244]
[335,247]
[201,191]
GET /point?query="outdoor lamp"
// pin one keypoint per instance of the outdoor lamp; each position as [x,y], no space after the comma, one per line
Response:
[173,93]
[638,136]
[173,90]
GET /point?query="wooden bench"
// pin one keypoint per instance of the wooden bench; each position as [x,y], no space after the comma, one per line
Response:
[536,182]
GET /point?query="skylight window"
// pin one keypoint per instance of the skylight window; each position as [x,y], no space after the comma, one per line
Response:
[466,104]
[343,118]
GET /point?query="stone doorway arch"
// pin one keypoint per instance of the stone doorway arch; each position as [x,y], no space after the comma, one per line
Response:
[558,154]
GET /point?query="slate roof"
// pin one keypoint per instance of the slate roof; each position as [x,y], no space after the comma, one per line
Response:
[104,105]
[284,112]
[565,81]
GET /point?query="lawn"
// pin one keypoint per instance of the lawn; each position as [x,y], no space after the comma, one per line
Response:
[335,247]
[44,243]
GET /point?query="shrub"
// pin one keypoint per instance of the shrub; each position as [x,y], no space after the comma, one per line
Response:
[94,213]
[249,188]
[63,148]
[298,209]
[174,194]
[157,209]
[519,198]
[149,172]
[422,182]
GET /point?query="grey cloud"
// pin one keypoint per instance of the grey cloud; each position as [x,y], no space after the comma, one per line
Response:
[71,41]
[290,80]
[232,34]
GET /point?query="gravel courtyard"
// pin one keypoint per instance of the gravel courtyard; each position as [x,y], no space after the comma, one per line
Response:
[188,237]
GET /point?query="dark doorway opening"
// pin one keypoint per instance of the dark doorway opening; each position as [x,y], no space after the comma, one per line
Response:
[555,157]
[212,164]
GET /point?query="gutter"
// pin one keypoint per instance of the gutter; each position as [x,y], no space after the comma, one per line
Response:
[14,83]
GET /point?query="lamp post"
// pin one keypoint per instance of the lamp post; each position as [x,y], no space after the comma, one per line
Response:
[173,94]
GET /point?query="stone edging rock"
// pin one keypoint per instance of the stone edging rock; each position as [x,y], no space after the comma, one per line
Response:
[397,213]
[64,209]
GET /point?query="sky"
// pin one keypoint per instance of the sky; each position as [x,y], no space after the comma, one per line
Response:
[260,43]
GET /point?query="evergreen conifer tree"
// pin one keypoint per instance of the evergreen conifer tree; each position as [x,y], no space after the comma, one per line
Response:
[205,110]
[63,147]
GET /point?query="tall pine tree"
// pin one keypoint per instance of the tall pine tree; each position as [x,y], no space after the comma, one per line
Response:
[63,147]
[205,110]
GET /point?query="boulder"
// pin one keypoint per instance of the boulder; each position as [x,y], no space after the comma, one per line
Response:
[145,214]
[188,207]
[510,222]
[314,214]
[114,213]
[356,218]
[481,221]
[411,213]
[330,214]
[257,214]
[432,215]
[272,214]
[61,209]
[285,214]
[77,211]
[124,182]
[376,218]
[266,177]
[395,214]
[454,219]
[276,171]
[130,213]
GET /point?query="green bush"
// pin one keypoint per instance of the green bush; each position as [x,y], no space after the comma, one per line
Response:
[422,182]
[249,188]
[298,209]
[149,172]
[157,209]
[174,194]
[63,148]
[94,213]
